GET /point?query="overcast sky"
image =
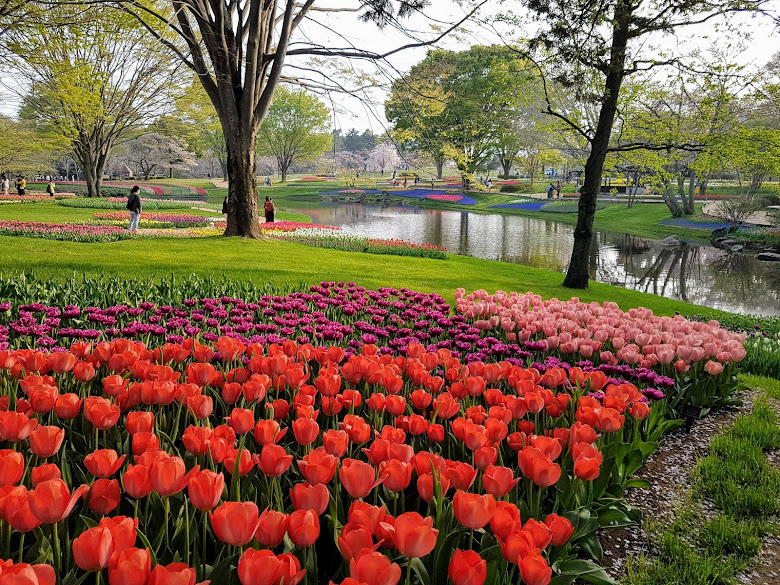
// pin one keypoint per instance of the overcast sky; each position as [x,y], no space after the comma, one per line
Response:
[366,110]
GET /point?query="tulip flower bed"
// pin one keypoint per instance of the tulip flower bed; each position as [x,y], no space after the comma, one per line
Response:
[460,199]
[291,226]
[121,203]
[62,231]
[318,238]
[166,219]
[427,443]
[34,197]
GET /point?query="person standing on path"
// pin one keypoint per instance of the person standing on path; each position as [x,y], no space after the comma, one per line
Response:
[21,186]
[134,207]
[5,184]
[268,206]
[50,188]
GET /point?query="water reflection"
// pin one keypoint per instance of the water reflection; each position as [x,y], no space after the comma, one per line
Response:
[699,274]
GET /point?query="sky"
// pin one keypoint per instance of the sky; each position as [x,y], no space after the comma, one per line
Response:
[364,110]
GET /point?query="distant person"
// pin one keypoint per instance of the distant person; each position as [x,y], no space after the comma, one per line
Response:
[5,184]
[489,184]
[50,188]
[558,188]
[550,191]
[405,180]
[224,206]
[21,186]
[134,207]
[269,210]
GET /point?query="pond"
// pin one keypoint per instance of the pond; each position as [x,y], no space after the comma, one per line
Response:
[698,274]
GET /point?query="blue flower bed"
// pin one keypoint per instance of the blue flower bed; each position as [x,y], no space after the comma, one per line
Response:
[416,193]
[535,206]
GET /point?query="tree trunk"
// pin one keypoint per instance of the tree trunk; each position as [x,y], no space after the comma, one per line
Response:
[439,167]
[579,265]
[243,213]
[669,199]
[755,183]
[506,163]
[689,205]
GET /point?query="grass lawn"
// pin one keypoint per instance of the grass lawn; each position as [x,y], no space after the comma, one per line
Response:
[286,263]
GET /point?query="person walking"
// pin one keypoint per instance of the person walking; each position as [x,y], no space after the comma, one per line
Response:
[50,188]
[269,210]
[134,207]
[558,188]
[21,186]
[5,184]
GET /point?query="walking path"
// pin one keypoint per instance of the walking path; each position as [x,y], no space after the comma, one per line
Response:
[760,218]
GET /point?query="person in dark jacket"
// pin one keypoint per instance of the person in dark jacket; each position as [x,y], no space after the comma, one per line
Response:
[134,207]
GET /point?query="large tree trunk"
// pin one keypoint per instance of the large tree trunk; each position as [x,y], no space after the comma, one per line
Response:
[506,164]
[669,199]
[689,205]
[755,183]
[579,265]
[243,214]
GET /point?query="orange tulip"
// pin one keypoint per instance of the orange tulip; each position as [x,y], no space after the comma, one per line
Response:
[136,481]
[67,406]
[259,567]
[196,439]
[100,412]
[61,362]
[517,544]
[124,531]
[397,474]
[15,509]
[504,518]
[335,442]
[168,475]
[44,472]
[560,529]
[499,481]
[306,430]
[242,420]
[538,467]
[358,478]
[28,574]
[140,422]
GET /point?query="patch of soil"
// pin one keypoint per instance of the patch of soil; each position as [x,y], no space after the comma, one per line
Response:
[668,471]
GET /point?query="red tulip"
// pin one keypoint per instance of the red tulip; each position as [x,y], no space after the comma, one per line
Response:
[92,549]
[461,475]
[16,426]
[168,475]
[335,442]
[132,566]
[472,510]
[358,478]
[24,574]
[272,528]
[504,518]
[200,405]
[51,501]
[290,571]
[205,489]
[245,461]
[538,467]
[140,422]
[318,466]
[259,567]
[67,406]
[268,431]
[15,509]
[499,481]
[44,472]
[367,515]
[467,568]
[242,420]
[104,496]
[124,531]
[516,545]
[303,527]
[560,528]
[397,474]
[414,535]
[352,539]
[305,430]
[61,362]
[83,371]
[196,439]
[100,412]
[425,485]
[11,467]
[374,568]
[173,574]
[274,460]
[136,481]
[235,523]
[540,532]
[534,569]
[46,441]
[103,463]
[114,385]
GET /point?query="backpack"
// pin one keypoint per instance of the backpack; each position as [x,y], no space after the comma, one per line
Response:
[130,202]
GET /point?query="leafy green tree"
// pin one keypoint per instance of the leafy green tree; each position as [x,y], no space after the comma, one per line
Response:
[95,82]
[295,129]
[459,105]
[152,151]
[590,49]
[24,148]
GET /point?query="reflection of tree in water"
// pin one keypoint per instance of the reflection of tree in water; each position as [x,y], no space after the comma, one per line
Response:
[743,277]
[672,266]
[628,245]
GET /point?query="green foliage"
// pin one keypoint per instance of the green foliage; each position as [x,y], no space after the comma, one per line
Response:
[296,129]
[24,148]
[368,246]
